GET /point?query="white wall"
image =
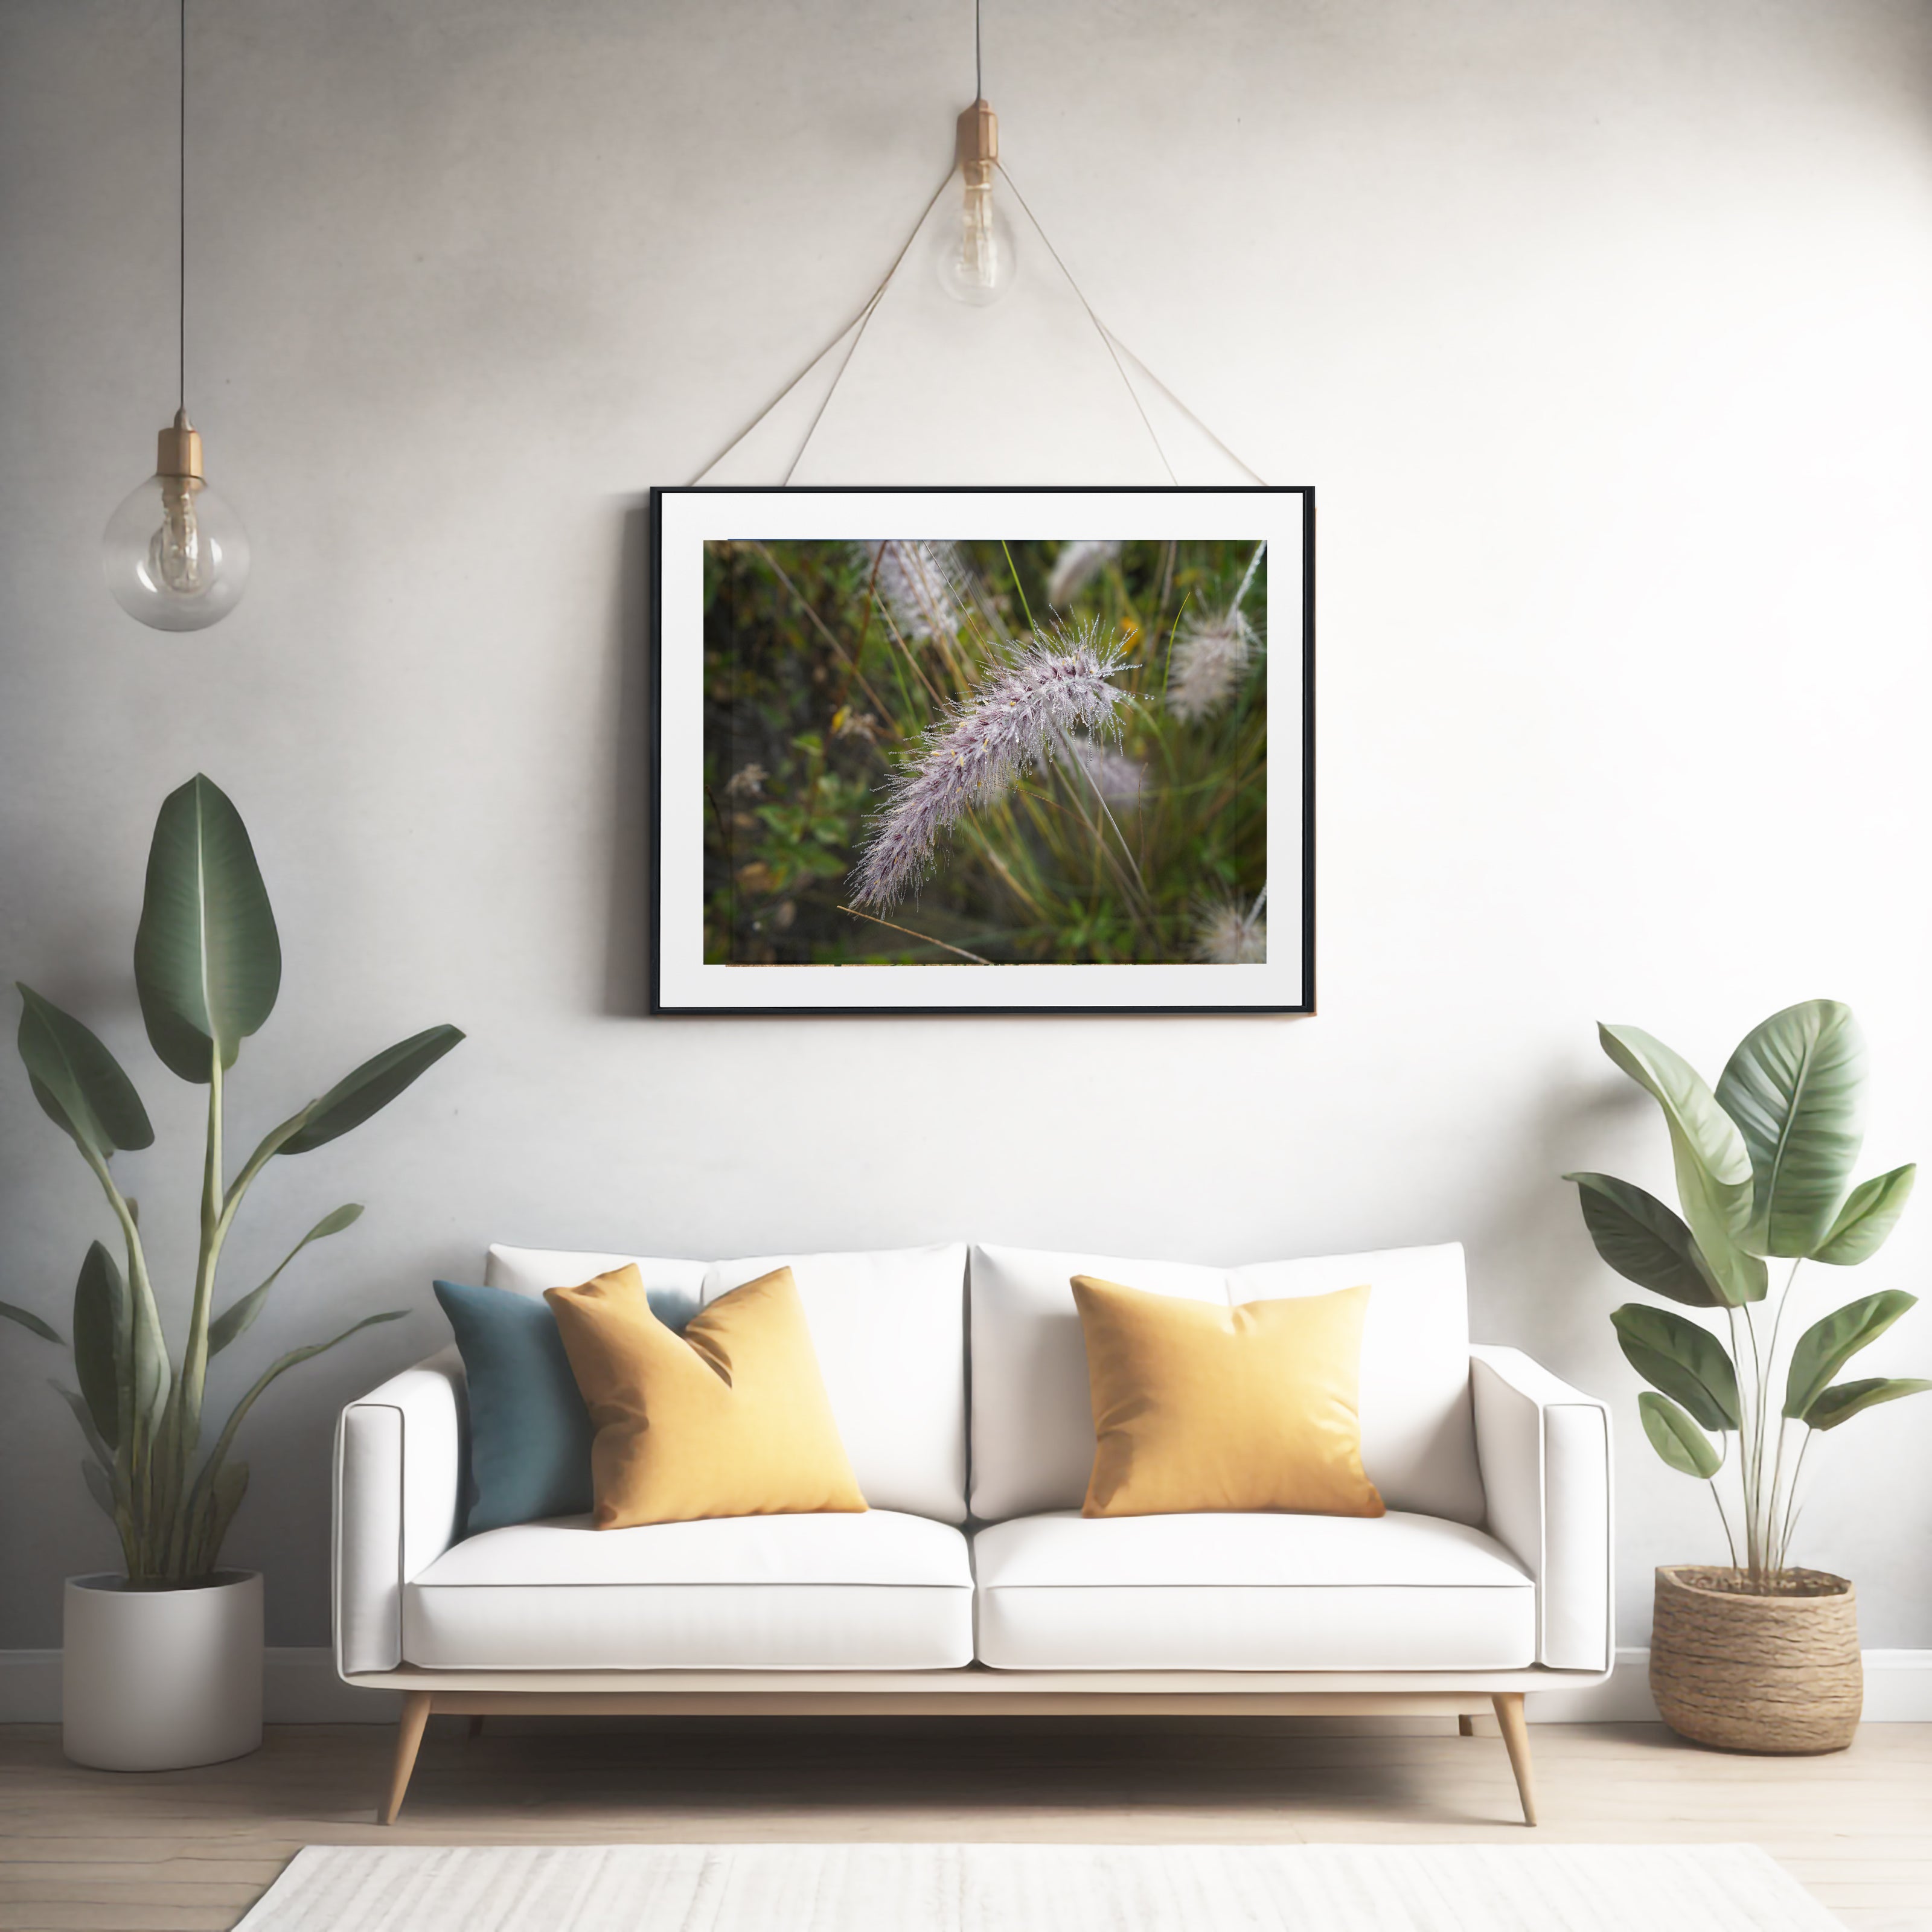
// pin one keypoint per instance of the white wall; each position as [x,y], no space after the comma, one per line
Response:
[1599,325]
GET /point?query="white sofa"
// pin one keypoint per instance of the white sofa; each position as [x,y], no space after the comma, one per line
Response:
[973,1585]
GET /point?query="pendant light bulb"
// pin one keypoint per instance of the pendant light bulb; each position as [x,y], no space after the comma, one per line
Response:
[175,555]
[977,257]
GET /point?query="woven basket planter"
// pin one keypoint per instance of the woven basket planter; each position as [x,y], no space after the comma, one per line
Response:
[1777,1675]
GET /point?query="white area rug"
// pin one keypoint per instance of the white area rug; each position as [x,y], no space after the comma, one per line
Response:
[1036,1888]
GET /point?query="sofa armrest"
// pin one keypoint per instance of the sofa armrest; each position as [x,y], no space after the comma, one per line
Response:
[1544,1450]
[398,1490]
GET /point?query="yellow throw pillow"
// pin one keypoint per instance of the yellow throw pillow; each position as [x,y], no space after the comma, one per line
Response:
[731,1418]
[1200,1406]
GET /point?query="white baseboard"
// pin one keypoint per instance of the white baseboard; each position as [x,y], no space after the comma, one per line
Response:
[302,1688]
[299,1686]
[1898,1690]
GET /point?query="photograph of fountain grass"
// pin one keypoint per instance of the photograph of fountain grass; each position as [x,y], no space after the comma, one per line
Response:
[985,752]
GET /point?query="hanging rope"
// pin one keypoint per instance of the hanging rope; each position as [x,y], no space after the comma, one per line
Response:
[856,329]
[1199,422]
[858,322]
[1106,340]
[865,321]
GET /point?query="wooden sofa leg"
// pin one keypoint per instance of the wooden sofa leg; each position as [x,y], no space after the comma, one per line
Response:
[1516,1736]
[408,1741]
[1466,1725]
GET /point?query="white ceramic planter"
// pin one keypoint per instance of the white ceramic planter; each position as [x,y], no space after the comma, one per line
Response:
[157,1680]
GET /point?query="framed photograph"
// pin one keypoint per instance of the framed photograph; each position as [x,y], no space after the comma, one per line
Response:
[946,751]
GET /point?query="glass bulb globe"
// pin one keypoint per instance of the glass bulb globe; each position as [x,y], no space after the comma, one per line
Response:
[977,257]
[175,555]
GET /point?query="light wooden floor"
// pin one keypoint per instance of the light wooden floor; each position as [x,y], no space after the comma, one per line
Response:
[193,1849]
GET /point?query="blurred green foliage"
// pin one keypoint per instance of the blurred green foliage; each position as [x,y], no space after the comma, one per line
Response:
[813,693]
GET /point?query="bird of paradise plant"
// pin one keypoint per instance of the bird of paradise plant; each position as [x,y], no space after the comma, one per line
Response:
[1764,1172]
[207,967]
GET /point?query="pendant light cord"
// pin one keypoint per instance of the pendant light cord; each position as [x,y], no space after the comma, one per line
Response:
[181,191]
[978,65]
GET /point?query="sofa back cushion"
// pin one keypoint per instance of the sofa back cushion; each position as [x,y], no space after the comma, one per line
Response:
[1032,1420]
[675,1288]
[889,1329]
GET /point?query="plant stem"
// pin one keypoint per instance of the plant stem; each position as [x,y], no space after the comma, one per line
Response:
[148,1361]
[1173,631]
[1772,1512]
[1790,1522]
[1745,1438]
[194,1350]
[919,670]
[1777,1462]
[1136,886]
[219,1207]
[925,938]
[1025,607]
[1730,1540]
[879,705]
[1100,799]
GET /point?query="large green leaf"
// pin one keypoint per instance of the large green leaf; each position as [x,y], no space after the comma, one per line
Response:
[1843,1400]
[207,963]
[79,1084]
[371,1087]
[229,1487]
[30,1321]
[1870,1214]
[237,1319]
[1677,1438]
[219,1498]
[1826,1346]
[1688,1105]
[217,1460]
[1643,1240]
[1712,1163]
[1688,1363]
[100,1336]
[1795,1088]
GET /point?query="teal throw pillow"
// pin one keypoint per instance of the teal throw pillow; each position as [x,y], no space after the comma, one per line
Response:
[529,1433]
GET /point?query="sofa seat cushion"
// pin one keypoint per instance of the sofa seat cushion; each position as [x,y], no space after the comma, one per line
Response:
[879,1591]
[1062,1592]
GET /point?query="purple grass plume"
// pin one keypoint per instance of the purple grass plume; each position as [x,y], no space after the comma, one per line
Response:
[1211,654]
[1118,778]
[1211,658]
[922,583]
[1076,563]
[1227,934]
[1019,719]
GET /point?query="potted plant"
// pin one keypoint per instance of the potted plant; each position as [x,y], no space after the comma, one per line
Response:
[162,1663]
[1754,1655]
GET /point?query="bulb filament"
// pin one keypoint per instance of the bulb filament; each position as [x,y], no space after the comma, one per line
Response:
[178,552]
[979,243]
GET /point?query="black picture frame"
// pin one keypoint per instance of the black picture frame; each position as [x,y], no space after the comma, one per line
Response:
[671,980]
